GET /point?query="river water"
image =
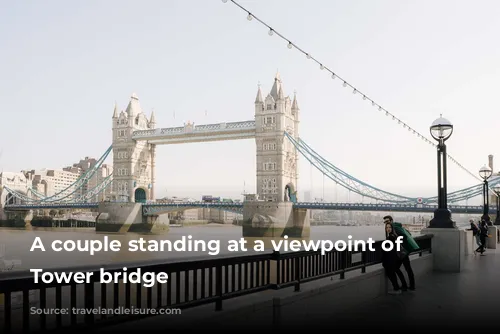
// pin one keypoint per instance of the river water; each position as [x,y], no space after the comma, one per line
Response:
[17,243]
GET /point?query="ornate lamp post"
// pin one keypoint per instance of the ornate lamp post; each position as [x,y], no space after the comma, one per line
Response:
[497,192]
[441,130]
[485,173]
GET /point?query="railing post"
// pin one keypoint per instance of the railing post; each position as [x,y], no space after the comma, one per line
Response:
[298,273]
[343,263]
[218,287]
[276,257]
[363,259]
[89,302]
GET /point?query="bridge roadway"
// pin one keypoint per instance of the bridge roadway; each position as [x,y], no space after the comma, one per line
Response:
[158,208]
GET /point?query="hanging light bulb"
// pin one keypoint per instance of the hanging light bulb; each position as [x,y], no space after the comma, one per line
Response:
[364,97]
[373,103]
[308,56]
[393,118]
[249,17]
[333,75]
[345,84]
[354,91]
[380,108]
[271,32]
[224,1]
[387,113]
[290,45]
[321,67]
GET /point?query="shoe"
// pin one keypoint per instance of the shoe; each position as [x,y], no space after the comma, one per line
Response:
[412,288]
[404,289]
[394,292]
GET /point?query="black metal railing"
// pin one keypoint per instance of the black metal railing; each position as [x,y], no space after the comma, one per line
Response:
[301,267]
[190,283]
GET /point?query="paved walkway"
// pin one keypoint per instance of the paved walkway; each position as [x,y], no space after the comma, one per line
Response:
[467,300]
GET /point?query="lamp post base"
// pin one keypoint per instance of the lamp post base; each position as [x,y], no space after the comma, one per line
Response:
[442,219]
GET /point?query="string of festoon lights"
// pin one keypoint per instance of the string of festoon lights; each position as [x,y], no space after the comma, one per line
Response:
[346,84]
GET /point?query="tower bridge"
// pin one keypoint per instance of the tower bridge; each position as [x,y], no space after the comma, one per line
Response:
[275,208]
[135,138]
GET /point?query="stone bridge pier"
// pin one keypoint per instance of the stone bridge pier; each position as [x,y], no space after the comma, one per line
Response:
[127,217]
[16,218]
[275,219]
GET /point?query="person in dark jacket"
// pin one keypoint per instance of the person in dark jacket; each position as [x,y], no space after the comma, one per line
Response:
[391,263]
[405,260]
[475,232]
[483,234]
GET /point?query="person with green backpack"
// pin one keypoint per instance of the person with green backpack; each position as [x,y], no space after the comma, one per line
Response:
[409,245]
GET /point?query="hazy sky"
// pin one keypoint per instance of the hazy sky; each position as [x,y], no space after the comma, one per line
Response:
[63,64]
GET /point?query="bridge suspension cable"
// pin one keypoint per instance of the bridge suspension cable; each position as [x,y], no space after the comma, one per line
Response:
[95,190]
[355,91]
[66,192]
[359,187]
[344,179]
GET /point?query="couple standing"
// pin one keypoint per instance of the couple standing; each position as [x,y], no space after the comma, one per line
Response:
[393,259]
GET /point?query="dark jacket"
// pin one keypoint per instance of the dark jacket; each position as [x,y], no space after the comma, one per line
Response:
[474,229]
[390,259]
[483,230]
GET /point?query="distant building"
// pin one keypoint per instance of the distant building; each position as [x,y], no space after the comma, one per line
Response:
[99,176]
[175,199]
[219,216]
[48,182]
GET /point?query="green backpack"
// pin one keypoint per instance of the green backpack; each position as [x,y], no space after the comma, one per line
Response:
[409,244]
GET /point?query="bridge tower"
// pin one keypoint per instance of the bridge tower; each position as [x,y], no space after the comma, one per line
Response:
[273,214]
[277,158]
[133,161]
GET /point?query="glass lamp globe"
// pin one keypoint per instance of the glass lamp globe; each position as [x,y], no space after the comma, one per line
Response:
[441,129]
[485,172]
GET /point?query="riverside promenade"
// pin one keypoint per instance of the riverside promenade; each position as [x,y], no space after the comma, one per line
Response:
[465,300]
[278,291]
[469,300]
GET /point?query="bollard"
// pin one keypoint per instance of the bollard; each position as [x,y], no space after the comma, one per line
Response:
[491,241]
